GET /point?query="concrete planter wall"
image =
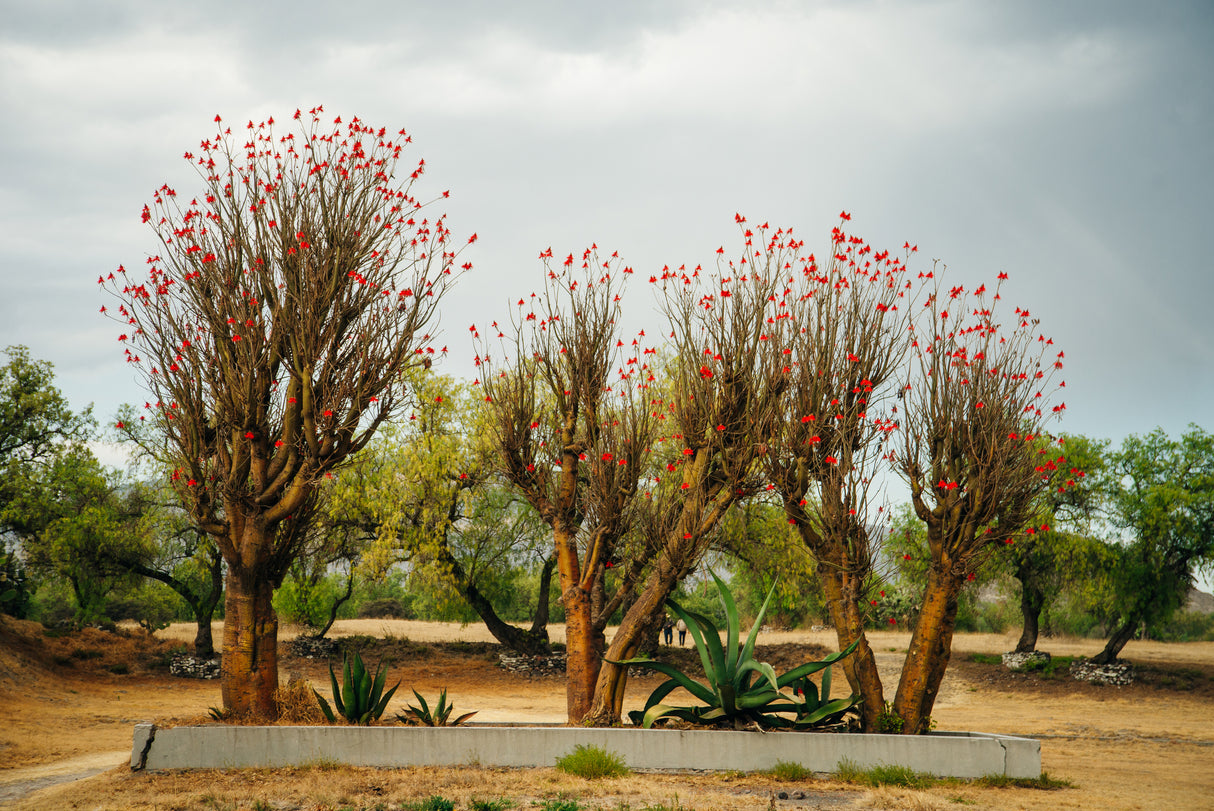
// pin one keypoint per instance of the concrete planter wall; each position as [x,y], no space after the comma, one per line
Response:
[946,754]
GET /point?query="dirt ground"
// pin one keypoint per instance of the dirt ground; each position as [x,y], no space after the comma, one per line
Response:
[68,705]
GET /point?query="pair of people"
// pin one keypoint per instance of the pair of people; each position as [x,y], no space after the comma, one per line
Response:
[668,629]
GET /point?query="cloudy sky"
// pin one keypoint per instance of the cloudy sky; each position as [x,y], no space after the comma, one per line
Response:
[1070,145]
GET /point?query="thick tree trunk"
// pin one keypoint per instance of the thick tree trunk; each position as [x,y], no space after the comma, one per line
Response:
[1032,600]
[928,655]
[583,649]
[1116,642]
[250,646]
[634,628]
[842,591]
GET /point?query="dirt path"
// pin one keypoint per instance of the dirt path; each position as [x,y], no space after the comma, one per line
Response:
[17,783]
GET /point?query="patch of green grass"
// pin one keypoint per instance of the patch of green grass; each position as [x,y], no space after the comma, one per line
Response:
[435,803]
[1058,667]
[559,805]
[986,658]
[1044,782]
[789,772]
[500,804]
[592,762]
[882,775]
[119,669]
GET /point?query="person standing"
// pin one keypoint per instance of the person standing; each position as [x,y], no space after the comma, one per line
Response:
[668,631]
[682,626]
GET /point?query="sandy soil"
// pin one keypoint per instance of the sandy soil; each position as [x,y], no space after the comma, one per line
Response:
[64,714]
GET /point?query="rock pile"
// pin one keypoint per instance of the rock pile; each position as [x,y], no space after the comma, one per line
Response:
[532,665]
[311,647]
[190,667]
[1118,674]
[1030,660]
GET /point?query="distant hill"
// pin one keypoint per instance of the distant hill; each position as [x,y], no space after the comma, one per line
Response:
[1200,601]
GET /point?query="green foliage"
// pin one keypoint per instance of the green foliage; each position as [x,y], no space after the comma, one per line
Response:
[757,536]
[882,775]
[592,762]
[740,689]
[1044,782]
[500,804]
[789,772]
[1185,626]
[439,717]
[300,601]
[559,804]
[432,803]
[152,605]
[888,721]
[360,699]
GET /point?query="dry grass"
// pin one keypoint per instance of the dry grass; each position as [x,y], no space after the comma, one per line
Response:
[1143,747]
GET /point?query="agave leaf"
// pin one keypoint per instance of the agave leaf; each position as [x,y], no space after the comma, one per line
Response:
[765,670]
[349,694]
[341,707]
[382,704]
[325,708]
[753,636]
[836,707]
[826,685]
[463,718]
[813,667]
[662,710]
[732,627]
[686,682]
[703,634]
[757,700]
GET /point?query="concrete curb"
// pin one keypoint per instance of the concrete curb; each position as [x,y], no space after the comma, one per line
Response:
[945,754]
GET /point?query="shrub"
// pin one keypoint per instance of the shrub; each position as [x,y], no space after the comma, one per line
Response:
[360,698]
[789,772]
[592,762]
[438,718]
[740,689]
[384,608]
[882,775]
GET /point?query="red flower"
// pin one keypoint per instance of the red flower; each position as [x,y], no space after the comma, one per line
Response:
[684,486]
[248,435]
[705,372]
[830,460]
[688,451]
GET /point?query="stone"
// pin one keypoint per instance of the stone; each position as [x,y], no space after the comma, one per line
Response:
[1029,660]
[1118,674]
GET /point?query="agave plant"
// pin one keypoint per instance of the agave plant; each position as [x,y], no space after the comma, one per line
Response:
[438,718]
[360,699]
[740,689]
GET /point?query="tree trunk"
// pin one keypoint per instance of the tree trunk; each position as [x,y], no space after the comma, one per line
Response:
[337,604]
[1116,642]
[928,655]
[583,647]
[533,642]
[613,679]
[250,646]
[539,622]
[1032,600]
[842,592]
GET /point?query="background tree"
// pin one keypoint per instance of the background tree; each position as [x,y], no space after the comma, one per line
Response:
[1162,493]
[1048,560]
[426,494]
[271,331]
[973,413]
[852,313]
[36,424]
